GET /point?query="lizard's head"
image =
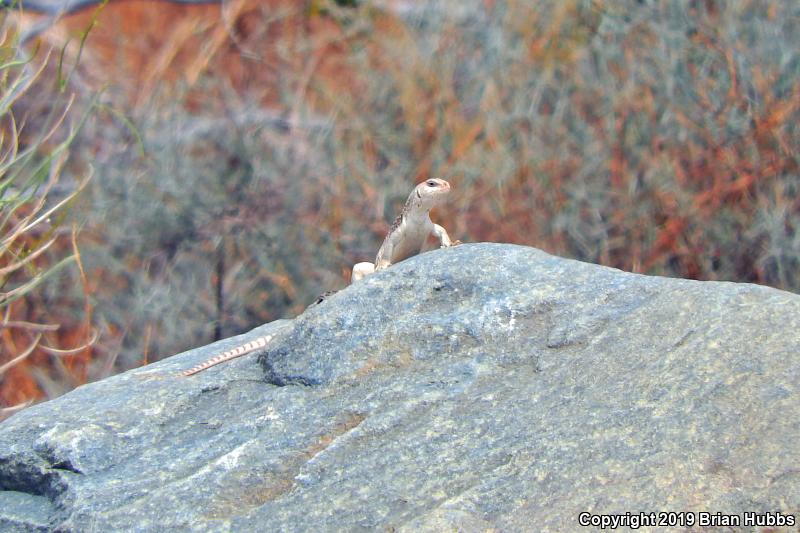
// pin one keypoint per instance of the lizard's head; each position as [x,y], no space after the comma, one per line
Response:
[430,193]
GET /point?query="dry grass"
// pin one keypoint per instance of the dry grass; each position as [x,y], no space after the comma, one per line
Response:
[36,131]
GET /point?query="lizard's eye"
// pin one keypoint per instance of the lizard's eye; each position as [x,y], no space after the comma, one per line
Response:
[430,183]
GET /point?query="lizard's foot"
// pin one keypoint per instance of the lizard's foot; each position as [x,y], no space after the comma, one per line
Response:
[454,243]
[361,270]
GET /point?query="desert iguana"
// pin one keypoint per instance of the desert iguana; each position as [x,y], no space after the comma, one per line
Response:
[410,229]
[406,238]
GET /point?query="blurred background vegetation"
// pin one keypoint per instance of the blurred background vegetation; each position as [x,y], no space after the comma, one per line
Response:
[246,154]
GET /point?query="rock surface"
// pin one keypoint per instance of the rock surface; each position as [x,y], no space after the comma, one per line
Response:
[479,388]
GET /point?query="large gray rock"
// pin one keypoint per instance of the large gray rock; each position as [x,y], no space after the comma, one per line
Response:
[483,386]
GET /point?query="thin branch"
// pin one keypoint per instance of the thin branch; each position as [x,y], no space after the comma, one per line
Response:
[87,306]
[29,326]
[50,211]
[71,351]
[30,257]
[65,7]
[23,355]
[8,297]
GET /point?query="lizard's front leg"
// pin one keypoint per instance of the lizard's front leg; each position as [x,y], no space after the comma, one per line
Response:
[444,239]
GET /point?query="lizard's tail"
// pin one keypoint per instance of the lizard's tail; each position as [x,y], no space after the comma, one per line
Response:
[251,346]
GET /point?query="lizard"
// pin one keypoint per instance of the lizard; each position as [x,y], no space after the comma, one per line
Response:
[405,238]
[411,229]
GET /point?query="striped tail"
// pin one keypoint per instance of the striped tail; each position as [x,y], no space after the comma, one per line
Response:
[251,346]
